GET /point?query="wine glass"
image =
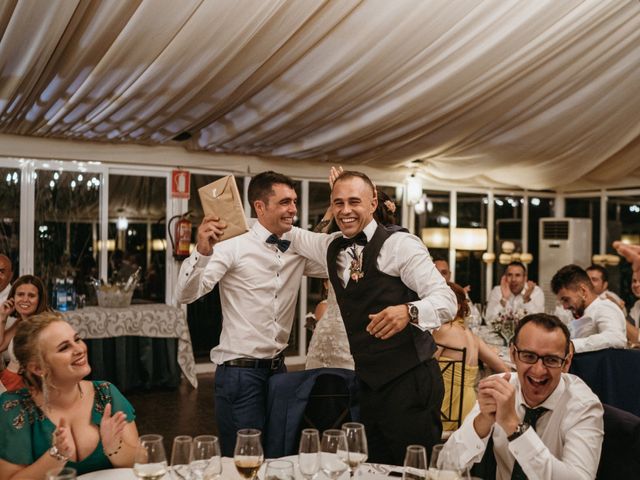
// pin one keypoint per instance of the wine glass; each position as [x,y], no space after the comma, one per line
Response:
[443,466]
[66,473]
[357,444]
[279,470]
[309,453]
[206,461]
[415,463]
[334,456]
[181,457]
[248,454]
[150,461]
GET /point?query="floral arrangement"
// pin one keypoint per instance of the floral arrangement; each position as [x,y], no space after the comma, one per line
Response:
[505,324]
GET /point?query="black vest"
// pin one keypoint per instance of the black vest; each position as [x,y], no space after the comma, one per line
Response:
[377,361]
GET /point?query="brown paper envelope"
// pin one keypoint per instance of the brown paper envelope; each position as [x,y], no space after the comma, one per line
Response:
[222,198]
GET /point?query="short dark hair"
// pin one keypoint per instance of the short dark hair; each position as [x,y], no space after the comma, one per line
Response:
[440,258]
[261,186]
[570,276]
[546,321]
[518,264]
[347,174]
[598,268]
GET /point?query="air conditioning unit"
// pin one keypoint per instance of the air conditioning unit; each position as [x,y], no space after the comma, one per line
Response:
[562,241]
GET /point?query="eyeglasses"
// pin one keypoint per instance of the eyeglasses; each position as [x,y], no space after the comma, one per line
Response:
[550,361]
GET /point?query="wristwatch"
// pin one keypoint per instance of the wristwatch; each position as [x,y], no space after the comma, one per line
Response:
[413,312]
[520,429]
[55,453]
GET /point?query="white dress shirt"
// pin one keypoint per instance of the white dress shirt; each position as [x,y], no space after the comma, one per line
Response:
[402,255]
[258,292]
[515,303]
[602,326]
[634,313]
[4,294]
[565,444]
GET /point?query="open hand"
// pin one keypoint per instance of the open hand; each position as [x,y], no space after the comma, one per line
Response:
[388,322]
[504,287]
[63,440]
[6,309]
[209,233]
[334,173]
[111,429]
[528,290]
[630,252]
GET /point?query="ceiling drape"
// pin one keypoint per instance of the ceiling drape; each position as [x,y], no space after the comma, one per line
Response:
[538,94]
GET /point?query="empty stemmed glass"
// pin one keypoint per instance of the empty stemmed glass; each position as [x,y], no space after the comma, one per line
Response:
[248,454]
[309,453]
[443,466]
[181,457]
[415,463]
[279,470]
[150,460]
[206,462]
[334,456]
[357,445]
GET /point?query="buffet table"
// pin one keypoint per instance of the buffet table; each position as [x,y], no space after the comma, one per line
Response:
[151,321]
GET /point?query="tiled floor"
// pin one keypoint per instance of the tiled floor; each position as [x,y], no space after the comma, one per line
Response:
[184,411]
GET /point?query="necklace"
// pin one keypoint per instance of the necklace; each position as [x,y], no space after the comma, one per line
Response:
[355,268]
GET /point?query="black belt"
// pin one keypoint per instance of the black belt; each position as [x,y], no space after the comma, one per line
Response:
[270,363]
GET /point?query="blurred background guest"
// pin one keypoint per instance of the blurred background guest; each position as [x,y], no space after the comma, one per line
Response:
[454,334]
[6,274]
[59,419]
[27,297]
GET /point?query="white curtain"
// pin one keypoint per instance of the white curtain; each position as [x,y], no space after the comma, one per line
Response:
[539,94]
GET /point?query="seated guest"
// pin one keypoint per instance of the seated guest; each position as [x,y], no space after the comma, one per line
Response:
[27,297]
[633,318]
[541,423]
[456,335]
[597,323]
[600,279]
[515,293]
[60,419]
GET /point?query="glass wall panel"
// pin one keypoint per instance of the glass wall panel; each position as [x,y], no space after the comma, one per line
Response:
[434,214]
[137,225]
[623,223]
[586,208]
[508,227]
[10,215]
[67,229]
[538,208]
[471,213]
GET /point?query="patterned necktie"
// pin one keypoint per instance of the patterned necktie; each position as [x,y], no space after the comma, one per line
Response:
[282,245]
[531,417]
[360,239]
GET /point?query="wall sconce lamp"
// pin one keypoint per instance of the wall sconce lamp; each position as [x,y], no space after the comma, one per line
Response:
[604,260]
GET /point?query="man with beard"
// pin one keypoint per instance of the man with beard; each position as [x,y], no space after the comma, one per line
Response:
[515,293]
[542,423]
[597,323]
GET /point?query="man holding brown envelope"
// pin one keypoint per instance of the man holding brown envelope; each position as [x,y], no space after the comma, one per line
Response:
[259,279]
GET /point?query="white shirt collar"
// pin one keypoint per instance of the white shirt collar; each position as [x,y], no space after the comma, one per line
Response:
[370,229]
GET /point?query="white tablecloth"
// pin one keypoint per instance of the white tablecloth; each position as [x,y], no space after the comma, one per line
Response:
[146,320]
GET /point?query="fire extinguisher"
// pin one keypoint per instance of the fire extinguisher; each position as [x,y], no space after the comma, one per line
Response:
[181,238]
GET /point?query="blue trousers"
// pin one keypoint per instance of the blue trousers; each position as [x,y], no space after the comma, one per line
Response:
[241,401]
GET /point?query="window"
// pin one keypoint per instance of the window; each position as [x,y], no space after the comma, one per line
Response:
[10,217]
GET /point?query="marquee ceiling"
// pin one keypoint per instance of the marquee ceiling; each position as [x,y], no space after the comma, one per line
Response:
[538,94]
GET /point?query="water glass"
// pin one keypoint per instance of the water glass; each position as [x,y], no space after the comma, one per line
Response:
[357,445]
[443,466]
[67,473]
[181,457]
[279,470]
[415,463]
[334,456]
[206,461]
[309,453]
[150,460]
[248,454]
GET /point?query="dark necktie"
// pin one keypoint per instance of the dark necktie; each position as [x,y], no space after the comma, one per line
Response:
[531,417]
[280,243]
[360,239]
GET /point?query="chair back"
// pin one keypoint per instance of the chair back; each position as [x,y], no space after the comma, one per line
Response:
[621,446]
[453,371]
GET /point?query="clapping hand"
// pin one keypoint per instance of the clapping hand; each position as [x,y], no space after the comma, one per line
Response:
[504,288]
[334,173]
[63,440]
[6,309]
[209,233]
[528,290]
[111,429]
[503,394]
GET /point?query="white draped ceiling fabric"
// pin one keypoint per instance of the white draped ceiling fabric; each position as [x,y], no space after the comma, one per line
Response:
[537,94]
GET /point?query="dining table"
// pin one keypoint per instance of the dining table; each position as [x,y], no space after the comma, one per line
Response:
[367,471]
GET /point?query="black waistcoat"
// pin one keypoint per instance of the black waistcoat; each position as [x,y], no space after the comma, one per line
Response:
[377,361]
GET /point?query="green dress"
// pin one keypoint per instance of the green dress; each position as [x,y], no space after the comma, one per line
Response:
[25,431]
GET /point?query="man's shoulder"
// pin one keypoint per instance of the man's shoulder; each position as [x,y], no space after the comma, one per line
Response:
[578,391]
[605,307]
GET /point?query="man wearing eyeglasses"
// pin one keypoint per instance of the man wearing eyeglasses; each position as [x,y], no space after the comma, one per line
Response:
[542,423]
